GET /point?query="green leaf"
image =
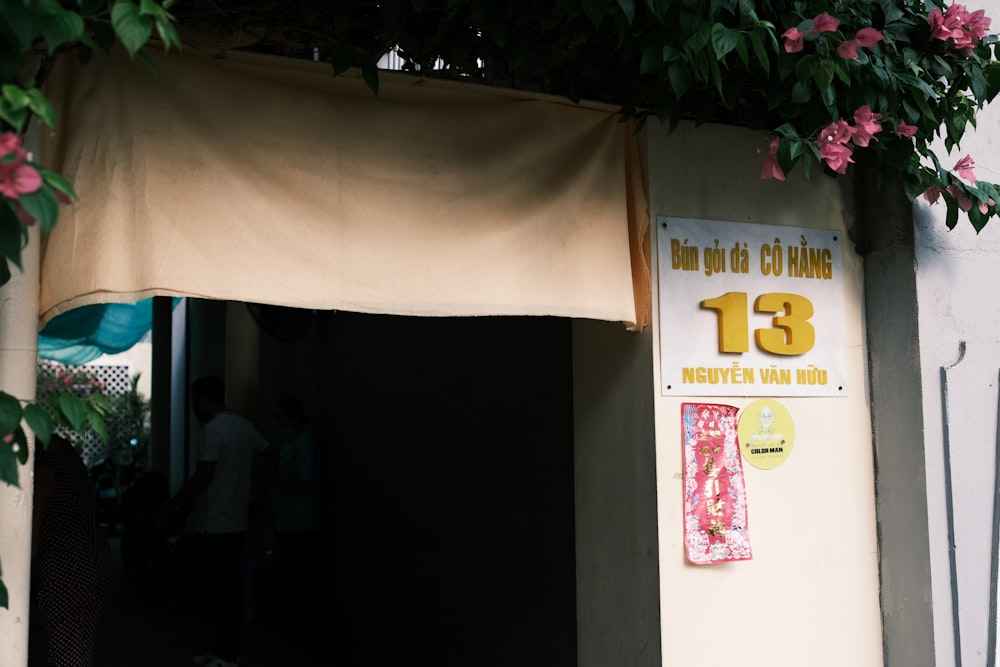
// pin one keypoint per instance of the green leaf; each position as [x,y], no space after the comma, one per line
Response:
[742,52]
[100,403]
[659,8]
[787,130]
[992,75]
[717,78]
[595,10]
[760,52]
[652,60]
[11,233]
[680,78]
[72,409]
[43,206]
[801,92]
[16,117]
[39,422]
[369,74]
[89,8]
[132,28]
[342,59]
[951,218]
[4,597]
[796,148]
[978,82]
[14,106]
[96,422]
[58,25]
[15,96]
[21,445]
[824,76]
[8,464]
[10,413]
[724,40]
[829,97]
[151,8]
[40,106]
[628,8]
[168,34]
[806,67]
[18,26]
[104,36]
[891,10]
[57,182]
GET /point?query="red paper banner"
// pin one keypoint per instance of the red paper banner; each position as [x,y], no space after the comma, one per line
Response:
[715,507]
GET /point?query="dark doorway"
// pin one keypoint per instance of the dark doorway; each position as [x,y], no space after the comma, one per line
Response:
[449,486]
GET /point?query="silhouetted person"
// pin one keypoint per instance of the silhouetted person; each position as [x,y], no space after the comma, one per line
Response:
[219,495]
[295,503]
[71,558]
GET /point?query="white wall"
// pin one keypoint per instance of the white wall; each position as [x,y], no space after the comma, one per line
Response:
[958,302]
[810,596]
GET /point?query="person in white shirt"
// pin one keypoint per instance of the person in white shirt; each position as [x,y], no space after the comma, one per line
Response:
[219,498]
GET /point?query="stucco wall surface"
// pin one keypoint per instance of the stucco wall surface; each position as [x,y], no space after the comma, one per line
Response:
[958,303]
[811,593]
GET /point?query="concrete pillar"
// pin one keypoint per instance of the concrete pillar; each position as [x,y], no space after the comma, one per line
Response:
[18,359]
[617,548]
[897,420]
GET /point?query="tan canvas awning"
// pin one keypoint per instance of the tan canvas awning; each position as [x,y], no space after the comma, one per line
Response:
[253,178]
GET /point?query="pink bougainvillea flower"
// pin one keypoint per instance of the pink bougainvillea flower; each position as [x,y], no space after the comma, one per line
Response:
[866,125]
[825,23]
[793,40]
[848,50]
[977,25]
[964,202]
[941,28]
[967,28]
[837,156]
[964,169]
[963,27]
[771,168]
[932,194]
[18,179]
[837,133]
[868,37]
[905,130]
[11,143]
[984,206]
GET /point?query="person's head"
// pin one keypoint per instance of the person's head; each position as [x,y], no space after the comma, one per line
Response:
[290,415]
[208,396]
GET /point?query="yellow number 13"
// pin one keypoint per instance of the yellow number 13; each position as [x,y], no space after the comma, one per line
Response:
[791,333]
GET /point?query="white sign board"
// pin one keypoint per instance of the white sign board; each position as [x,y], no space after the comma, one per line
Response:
[750,310]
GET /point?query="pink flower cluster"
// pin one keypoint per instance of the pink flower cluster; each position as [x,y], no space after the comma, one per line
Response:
[964,170]
[835,142]
[962,27]
[16,177]
[848,50]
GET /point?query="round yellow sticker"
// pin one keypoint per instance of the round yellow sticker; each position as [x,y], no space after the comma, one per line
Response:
[766,433]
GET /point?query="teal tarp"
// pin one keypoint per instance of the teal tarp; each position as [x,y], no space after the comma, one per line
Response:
[83,334]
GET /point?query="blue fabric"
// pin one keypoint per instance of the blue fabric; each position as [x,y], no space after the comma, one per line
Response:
[83,334]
